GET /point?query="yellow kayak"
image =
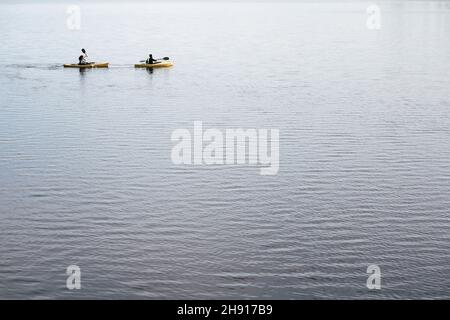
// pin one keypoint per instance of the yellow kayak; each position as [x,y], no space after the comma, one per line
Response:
[154,65]
[90,65]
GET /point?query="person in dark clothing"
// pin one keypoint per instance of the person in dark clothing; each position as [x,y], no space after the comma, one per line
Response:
[150,59]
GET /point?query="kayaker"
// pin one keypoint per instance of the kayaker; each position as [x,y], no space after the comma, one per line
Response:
[80,60]
[150,59]
[83,58]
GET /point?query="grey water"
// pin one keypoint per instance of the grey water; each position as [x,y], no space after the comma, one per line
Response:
[86,176]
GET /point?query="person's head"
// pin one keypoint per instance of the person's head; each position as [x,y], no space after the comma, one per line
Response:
[82,50]
[150,55]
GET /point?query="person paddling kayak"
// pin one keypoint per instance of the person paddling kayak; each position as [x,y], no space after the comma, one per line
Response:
[83,58]
[150,59]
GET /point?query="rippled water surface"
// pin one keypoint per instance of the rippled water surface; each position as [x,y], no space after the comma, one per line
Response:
[86,176]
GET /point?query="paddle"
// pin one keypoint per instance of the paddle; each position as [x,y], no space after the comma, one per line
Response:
[165,58]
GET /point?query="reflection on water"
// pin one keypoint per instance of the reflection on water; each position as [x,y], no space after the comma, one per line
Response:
[86,177]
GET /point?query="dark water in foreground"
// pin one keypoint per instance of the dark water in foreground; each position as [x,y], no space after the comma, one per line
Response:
[86,176]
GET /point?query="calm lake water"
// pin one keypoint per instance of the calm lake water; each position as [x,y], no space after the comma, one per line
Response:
[86,176]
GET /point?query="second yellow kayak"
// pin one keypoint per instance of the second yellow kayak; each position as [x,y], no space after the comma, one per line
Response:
[166,64]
